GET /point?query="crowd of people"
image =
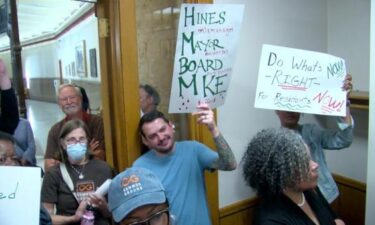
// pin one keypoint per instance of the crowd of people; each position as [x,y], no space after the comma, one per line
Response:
[166,185]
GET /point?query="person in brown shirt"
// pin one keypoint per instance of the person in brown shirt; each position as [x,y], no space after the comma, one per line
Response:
[70,101]
[69,187]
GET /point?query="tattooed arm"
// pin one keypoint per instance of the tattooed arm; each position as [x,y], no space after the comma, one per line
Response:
[226,160]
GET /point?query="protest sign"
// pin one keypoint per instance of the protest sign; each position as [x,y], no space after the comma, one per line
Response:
[20,195]
[301,81]
[205,51]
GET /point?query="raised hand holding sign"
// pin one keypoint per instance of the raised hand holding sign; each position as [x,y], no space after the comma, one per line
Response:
[301,81]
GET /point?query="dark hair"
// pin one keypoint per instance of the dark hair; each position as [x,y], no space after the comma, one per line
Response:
[7,137]
[69,127]
[275,159]
[151,92]
[149,117]
[85,99]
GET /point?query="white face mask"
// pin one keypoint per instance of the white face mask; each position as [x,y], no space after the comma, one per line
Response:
[77,151]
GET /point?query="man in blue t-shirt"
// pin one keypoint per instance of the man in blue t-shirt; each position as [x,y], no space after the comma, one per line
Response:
[181,165]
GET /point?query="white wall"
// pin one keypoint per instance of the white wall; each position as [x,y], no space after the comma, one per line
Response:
[370,195]
[299,24]
[351,17]
[349,36]
[40,60]
[87,30]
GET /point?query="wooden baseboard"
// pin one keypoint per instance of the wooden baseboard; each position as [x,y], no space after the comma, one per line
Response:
[349,182]
[238,206]
[350,205]
[239,213]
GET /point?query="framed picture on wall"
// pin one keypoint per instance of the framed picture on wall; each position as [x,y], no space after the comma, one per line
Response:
[72,65]
[3,19]
[93,63]
[80,56]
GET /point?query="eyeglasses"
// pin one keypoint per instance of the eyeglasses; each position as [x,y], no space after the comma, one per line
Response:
[158,218]
[67,98]
[72,140]
[15,160]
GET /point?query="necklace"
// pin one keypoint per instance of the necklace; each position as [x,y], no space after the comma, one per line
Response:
[80,173]
[303,201]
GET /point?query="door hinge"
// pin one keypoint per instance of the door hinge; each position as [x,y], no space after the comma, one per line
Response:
[103,28]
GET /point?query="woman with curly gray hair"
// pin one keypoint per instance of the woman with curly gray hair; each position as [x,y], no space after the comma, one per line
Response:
[278,165]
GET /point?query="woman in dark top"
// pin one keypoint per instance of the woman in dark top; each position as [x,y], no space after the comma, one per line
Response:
[278,165]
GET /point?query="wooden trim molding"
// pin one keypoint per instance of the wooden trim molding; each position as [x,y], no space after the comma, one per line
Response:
[350,182]
[239,213]
[119,82]
[238,206]
[351,203]
[359,100]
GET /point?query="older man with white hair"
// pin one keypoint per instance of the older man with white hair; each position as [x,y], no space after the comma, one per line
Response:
[70,101]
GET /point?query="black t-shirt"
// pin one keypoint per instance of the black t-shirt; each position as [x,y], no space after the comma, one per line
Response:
[281,210]
[56,191]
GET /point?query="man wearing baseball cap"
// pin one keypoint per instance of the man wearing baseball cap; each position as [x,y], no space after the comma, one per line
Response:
[136,196]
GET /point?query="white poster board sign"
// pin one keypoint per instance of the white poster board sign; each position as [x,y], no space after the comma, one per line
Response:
[205,51]
[20,195]
[300,81]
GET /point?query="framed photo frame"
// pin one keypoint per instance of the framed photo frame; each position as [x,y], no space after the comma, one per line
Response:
[69,70]
[80,56]
[72,65]
[3,19]
[93,63]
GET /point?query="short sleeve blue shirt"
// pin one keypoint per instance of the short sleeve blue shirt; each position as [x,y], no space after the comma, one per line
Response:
[182,174]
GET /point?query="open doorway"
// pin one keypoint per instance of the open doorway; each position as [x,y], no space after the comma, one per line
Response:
[59,41]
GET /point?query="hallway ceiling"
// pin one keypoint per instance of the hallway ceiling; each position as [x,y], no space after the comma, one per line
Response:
[43,19]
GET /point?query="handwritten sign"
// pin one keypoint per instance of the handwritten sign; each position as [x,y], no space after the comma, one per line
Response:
[205,50]
[301,81]
[19,195]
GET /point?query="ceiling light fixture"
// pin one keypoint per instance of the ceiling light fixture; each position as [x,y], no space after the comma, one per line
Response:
[89,1]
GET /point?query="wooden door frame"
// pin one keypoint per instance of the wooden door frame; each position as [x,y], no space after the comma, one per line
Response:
[119,75]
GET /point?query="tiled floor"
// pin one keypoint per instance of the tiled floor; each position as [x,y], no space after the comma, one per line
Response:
[42,115]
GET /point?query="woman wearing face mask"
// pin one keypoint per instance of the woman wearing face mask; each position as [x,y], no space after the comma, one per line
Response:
[69,187]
